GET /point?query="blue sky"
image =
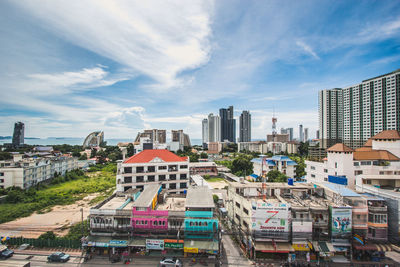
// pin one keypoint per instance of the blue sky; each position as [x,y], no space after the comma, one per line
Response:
[71,67]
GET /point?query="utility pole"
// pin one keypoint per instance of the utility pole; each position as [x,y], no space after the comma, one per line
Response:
[82,222]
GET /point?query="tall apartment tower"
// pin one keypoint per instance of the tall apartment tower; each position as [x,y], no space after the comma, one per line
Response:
[204,132]
[288,131]
[306,135]
[19,134]
[245,126]
[155,135]
[354,114]
[228,124]
[301,133]
[214,128]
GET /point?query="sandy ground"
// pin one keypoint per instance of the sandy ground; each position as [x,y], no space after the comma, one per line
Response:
[56,220]
[218,185]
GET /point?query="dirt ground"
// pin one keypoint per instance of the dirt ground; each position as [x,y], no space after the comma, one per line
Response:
[57,220]
[218,185]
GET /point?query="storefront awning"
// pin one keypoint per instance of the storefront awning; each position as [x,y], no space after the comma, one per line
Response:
[315,246]
[326,247]
[365,247]
[208,246]
[302,246]
[384,247]
[270,248]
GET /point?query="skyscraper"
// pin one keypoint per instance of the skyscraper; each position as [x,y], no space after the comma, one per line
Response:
[354,114]
[288,131]
[301,133]
[214,128]
[245,126]
[204,132]
[306,135]
[228,124]
[18,135]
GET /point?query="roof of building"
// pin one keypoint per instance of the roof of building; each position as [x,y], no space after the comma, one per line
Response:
[149,155]
[146,197]
[387,134]
[342,190]
[368,143]
[364,154]
[199,197]
[203,164]
[369,196]
[339,147]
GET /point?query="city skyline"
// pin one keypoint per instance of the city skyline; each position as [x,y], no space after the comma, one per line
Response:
[64,75]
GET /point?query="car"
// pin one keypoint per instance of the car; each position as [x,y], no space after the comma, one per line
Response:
[5,252]
[167,262]
[58,257]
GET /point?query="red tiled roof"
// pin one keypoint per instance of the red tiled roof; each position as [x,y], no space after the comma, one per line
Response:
[374,155]
[368,143]
[148,155]
[387,134]
[339,147]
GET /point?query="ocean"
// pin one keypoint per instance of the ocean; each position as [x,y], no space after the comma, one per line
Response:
[74,141]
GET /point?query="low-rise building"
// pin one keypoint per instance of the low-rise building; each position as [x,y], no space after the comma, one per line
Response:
[263,165]
[151,167]
[203,168]
[26,172]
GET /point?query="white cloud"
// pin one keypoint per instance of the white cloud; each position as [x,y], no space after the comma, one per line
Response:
[156,38]
[307,49]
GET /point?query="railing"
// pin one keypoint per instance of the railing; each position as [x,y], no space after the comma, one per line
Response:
[377,209]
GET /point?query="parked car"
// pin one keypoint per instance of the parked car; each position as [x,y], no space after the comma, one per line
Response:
[5,252]
[58,257]
[168,262]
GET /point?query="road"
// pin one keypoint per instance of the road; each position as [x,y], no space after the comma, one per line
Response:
[233,253]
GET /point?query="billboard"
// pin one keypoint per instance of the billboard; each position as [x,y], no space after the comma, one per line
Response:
[341,221]
[270,217]
[157,244]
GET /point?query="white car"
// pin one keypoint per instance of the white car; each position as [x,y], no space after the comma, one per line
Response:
[167,262]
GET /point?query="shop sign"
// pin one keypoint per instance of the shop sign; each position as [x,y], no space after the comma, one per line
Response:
[270,216]
[191,250]
[301,247]
[174,245]
[157,244]
[211,252]
[117,243]
[101,245]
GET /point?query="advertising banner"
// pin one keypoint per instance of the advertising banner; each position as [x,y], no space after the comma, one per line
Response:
[341,221]
[173,245]
[157,244]
[191,250]
[118,243]
[270,216]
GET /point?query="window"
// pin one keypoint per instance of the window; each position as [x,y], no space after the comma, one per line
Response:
[237,217]
[1,180]
[161,177]
[127,179]
[139,169]
[245,224]
[172,186]
[139,179]
[325,179]
[312,168]
[358,172]
[151,168]
[313,175]
[151,178]
[184,166]
[172,176]
[245,210]
[127,169]
[182,185]
[237,204]
[162,167]
[183,176]
[325,170]
[335,164]
[1,173]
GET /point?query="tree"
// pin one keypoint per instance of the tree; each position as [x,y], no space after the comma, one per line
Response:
[5,156]
[242,166]
[193,157]
[93,153]
[276,176]
[76,154]
[48,235]
[130,150]
[83,157]
[215,198]
[204,155]
[303,149]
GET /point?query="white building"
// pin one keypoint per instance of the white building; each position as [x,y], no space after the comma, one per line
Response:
[354,114]
[204,131]
[214,128]
[151,167]
[256,146]
[261,166]
[376,161]
[26,172]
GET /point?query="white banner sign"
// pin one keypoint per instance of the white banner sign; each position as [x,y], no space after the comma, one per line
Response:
[301,227]
[270,216]
[157,244]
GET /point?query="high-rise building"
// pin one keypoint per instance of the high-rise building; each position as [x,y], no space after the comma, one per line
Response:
[204,131]
[214,128]
[301,133]
[317,134]
[155,135]
[305,134]
[245,126]
[228,124]
[19,134]
[180,137]
[288,131]
[354,114]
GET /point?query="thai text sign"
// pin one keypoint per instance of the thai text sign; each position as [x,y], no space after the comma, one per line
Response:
[341,220]
[173,245]
[270,216]
[191,250]
[118,243]
[157,244]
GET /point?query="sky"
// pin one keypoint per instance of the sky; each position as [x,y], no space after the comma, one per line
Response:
[68,68]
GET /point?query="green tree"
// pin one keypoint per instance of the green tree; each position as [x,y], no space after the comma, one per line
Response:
[276,176]
[242,166]
[215,198]
[93,153]
[48,235]
[303,149]
[76,154]
[83,157]
[193,157]
[130,150]
[204,155]
[5,156]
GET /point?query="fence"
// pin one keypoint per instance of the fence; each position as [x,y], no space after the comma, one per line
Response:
[48,243]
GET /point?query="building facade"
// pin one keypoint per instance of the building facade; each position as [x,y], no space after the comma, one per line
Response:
[155,135]
[19,134]
[228,124]
[354,114]
[152,167]
[214,128]
[204,132]
[245,126]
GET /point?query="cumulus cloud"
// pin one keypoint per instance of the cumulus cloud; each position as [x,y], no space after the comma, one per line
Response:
[157,38]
